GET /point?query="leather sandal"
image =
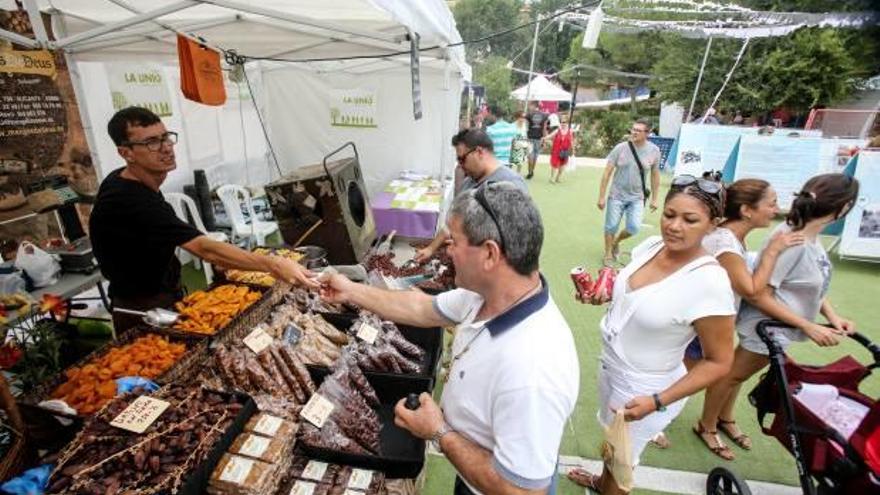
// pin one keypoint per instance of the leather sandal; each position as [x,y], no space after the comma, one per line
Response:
[742,440]
[582,477]
[719,449]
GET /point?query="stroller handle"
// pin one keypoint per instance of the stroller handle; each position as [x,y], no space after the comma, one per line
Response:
[766,335]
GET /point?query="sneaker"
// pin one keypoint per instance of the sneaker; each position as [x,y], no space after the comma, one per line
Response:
[530,175]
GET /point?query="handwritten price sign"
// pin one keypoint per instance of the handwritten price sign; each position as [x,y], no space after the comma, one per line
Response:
[140,414]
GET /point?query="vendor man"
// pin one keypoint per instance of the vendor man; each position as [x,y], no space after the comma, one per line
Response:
[134,232]
[513,377]
[474,151]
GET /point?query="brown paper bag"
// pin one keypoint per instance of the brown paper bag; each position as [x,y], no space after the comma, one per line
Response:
[617,452]
[201,78]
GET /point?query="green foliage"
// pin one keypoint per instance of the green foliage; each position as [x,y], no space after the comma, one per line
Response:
[601,129]
[494,75]
[478,18]
[41,355]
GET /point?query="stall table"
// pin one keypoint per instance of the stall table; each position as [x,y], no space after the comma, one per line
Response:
[413,208]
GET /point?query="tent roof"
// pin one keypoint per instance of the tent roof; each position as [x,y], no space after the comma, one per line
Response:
[285,29]
[542,90]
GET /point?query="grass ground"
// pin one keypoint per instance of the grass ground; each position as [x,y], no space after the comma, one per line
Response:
[573,236]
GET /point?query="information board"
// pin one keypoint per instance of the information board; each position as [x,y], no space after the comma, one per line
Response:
[786,163]
[702,147]
[861,230]
[665,145]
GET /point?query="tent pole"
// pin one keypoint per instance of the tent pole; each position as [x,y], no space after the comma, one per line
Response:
[116,26]
[18,39]
[531,67]
[739,57]
[699,78]
[33,12]
[574,95]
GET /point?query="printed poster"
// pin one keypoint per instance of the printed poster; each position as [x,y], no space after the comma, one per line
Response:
[139,85]
[702,147]
[861,231]
[785,162]
[354,108]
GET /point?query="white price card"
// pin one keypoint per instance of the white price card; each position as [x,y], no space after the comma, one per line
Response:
[237,470]
[268,425]
[315,470]
[258,340]
[140,414]
[367,333]
[360,479]
[317,410]
[302,488]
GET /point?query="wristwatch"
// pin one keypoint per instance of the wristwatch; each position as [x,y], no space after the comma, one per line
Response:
[658,406]
[439,434]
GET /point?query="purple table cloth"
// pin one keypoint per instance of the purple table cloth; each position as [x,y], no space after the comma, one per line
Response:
[407,223]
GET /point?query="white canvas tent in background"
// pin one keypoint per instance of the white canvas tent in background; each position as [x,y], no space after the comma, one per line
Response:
[541,90]
[294,96]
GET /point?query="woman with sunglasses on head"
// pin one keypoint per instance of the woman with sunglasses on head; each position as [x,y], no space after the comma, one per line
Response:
[795,293]
[653,317]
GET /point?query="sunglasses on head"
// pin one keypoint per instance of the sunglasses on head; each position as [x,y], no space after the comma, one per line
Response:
[705,185]
[480,196]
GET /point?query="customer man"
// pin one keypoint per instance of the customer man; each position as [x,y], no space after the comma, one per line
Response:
[628,189]
[501,133]
[513,378]
[135,233]
[537,130]
[474,151]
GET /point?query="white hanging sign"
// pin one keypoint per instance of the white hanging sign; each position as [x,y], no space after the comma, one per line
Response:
[354,108]
[139,85]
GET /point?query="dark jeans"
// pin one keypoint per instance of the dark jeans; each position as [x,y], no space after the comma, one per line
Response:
[123,321]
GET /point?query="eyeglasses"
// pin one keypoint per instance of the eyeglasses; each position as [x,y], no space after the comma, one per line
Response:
[705,185]
[463,157]
[638,130]
[155,143]
[480,196]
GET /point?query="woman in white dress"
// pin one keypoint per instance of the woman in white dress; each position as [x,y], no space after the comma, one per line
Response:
[795,293]
[654,315]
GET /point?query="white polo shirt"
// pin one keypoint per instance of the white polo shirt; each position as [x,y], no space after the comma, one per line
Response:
[512,391]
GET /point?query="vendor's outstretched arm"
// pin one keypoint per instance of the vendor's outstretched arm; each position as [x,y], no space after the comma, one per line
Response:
[410,307]
[422,255]
[229,256]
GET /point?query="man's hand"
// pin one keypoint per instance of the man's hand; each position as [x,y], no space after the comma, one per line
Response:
[638,407]
[822,336]
[424,254]
[424,421]
[293,273]
[336,288]
[653,205]
[842,326]
[601,203]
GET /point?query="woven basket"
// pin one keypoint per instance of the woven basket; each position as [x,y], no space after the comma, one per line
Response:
[256,313]
[18,455]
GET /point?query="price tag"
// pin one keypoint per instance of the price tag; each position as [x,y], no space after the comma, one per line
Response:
[367,333]
[360,479]
[254,446]
[258,340]
[314,470]
[317,410]
[268,425]
[302,488]
[140,414]
[310,202]
[349,491]
[237,470]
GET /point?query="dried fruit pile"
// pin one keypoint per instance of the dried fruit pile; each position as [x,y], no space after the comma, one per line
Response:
[91,386]
[107,460]
[206,312]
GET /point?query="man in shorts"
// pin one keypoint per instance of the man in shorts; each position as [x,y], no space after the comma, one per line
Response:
[628,188]
[537,130]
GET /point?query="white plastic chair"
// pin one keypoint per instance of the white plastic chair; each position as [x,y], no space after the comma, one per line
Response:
[181,203]
[250,228]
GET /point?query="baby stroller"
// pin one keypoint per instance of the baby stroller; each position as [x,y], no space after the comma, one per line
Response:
[831,429]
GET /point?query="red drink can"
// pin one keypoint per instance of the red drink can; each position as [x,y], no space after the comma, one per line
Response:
[604,286]
[583,282]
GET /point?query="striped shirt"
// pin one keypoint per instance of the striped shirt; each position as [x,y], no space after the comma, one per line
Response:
[502,133]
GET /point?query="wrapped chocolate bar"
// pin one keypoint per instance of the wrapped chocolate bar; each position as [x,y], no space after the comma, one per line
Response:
[269,450]
[358,480]
[303,487]
[271,426]
[239,475]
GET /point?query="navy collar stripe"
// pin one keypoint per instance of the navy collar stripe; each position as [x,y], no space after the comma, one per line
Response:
[520,312]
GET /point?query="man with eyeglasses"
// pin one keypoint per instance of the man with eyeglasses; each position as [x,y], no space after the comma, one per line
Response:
[135,233]
[629,163]
[514,373]
[474,151]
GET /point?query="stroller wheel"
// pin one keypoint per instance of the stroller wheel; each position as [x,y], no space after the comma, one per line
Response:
[722,481]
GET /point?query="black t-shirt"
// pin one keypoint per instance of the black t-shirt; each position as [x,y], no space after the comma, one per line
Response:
[536,124]
[134,234]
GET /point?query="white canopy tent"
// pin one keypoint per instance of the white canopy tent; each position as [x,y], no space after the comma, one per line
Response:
[541,90]
[288,45]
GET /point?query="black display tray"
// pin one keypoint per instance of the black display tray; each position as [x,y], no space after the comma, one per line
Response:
[402,454]
[429,340]
[197,482]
